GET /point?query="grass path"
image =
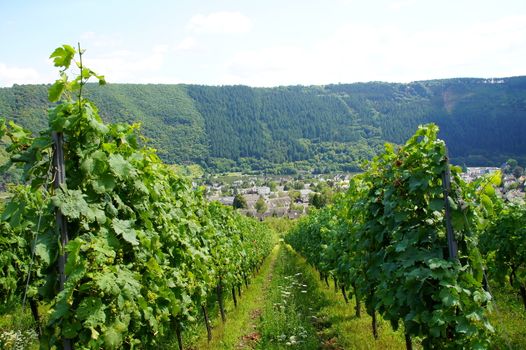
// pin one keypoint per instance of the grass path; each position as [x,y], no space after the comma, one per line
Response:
[240,330]
[301,312]
[287,307]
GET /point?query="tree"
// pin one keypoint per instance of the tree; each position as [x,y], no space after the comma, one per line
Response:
[317,200]
[294,196]
[503,242]
[298,185]
[518,171]
[261,206]
[509,166]
[240,202]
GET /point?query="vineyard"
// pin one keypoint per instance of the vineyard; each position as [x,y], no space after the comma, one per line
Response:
[110,248]
[415,244]
[119,248]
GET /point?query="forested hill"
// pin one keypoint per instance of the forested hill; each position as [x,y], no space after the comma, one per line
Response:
[317,128]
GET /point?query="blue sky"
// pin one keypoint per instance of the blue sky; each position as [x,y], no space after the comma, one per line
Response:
[266,43]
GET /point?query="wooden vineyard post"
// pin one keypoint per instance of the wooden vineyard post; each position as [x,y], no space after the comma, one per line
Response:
[451,241]
[59,172]
[358,307]
[34,310]
[207,322]
[179,335]
[245,279]
[234,296]
[344,293]
[408,342]
[219,290]
[374,325]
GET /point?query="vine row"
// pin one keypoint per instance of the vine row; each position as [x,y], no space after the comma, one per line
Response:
[385,242]
[145,250]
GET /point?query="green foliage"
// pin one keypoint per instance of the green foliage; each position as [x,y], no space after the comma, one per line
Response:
[290,306]
[319,200]
[510,165]
[260,205]
[239,202]
[294,195]
[386,241]
[286,129]
[518,171]
[504,243]
[144,250]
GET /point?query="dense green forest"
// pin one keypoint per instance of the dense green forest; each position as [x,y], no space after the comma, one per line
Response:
[313,128]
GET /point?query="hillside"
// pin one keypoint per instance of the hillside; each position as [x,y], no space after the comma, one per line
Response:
[315,128]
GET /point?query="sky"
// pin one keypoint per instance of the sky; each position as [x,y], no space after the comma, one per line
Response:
[265,42]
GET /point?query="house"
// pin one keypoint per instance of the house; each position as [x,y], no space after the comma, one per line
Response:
[227,200]
[281,202]
[263,190]
[305,195]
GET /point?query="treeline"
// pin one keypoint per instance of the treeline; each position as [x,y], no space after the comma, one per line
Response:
[285,129]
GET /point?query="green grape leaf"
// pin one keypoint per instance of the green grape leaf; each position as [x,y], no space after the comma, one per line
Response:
[106,282]
[123,228]
[70,330]
[120,167]
[489,190]
[112,338]
[436,204]
[73,248]
[91,311]
[87,166]
[447,297]
[61,308]
[95,214]
[438,263]
[154,267]
[71,203]
[62,56]
[486,202]
[46,247]
[103,184]
[56,90]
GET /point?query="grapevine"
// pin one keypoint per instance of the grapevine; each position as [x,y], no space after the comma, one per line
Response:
[390,241]
[145,249]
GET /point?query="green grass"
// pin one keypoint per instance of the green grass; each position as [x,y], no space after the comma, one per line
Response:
[289,312]
[239,331]
[288,307]
[280,225]
[17,328]
[303,313]
[509,319]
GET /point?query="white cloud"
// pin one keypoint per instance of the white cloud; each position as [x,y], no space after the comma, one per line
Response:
[398,5]
[97,40]
[187,44]
[388,53]
[10,75]
[220,22]
[128,66]
[270,66]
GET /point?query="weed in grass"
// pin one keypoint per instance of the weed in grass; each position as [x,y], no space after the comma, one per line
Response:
[240,330]
[17,329]
[509,320]
[287,319]
[18,339]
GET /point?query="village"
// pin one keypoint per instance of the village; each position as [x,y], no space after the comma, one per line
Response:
[287,196]
[276,196]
